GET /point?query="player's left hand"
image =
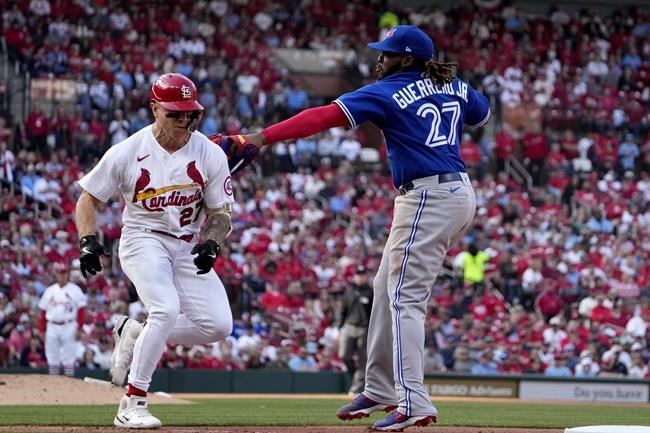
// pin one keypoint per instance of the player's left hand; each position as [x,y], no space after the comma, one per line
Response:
[240,150]
[207,254]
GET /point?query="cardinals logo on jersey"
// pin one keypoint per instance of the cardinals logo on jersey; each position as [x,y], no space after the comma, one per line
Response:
[195,175]
[141,183]
[156,199]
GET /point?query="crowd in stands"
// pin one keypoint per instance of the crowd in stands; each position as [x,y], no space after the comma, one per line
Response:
[553,278]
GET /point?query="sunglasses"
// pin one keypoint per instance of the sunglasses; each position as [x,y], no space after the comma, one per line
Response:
[193,115]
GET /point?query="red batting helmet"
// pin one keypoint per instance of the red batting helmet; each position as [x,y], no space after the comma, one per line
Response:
[176,92]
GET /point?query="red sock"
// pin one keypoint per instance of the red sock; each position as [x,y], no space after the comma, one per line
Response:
[132,390]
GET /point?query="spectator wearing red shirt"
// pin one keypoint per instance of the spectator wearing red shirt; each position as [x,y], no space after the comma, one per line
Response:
[295,295]
[37,127]
[493,301]
[15,36]
[270,273]
[224,265]
[170,24]
[272,299]
[604,152]
[556,160]
[228,363]
[609,100]
[97,129]
[548,303]
[509,364]
[445,299]
[159,42]
[172,359]
[600,313]
[535,146]
[478,309]
[569,144]
[19,337]
[33,355]
[199,359]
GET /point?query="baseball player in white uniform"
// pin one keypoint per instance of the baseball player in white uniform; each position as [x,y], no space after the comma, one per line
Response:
[63,310]
[167,178]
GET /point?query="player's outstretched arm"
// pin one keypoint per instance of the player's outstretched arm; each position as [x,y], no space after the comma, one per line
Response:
[90,248]
[241,150]
[304,124]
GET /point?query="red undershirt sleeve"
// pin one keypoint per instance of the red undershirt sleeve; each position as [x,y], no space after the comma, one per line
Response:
[81,317]
[42,323]
[306,123]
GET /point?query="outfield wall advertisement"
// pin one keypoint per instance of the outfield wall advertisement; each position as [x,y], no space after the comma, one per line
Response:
[584,391]
[470,387]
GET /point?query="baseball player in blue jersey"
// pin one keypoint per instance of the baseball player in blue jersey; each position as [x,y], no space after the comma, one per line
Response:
[421,107]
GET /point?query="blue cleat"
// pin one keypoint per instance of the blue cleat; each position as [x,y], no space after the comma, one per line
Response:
[397,421]
[362,407]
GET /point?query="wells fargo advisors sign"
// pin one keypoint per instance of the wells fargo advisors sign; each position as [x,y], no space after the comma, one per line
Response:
[471,387]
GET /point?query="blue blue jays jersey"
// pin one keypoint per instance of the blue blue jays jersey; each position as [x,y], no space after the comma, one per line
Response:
[422,123]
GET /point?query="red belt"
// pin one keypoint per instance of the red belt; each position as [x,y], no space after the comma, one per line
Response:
[186,238]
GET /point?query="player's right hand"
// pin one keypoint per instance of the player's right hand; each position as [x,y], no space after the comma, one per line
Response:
[240,150]
[89,257]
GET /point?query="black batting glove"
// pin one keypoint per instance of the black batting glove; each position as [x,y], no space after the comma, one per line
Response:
[207,254]
[89,258]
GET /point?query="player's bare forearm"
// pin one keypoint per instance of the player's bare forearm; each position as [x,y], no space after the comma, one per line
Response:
[218,226]
[86,214]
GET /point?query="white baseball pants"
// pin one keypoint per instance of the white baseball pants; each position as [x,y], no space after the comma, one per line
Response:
[184,308]
[61,346]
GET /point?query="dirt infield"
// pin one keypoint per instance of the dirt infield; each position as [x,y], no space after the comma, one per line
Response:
[42,390]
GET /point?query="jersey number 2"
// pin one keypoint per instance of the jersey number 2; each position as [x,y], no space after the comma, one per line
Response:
[435,138]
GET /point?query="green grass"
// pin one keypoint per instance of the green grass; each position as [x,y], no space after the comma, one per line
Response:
[270,411]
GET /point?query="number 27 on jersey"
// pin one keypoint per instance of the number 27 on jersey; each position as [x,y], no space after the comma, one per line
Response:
[437,134]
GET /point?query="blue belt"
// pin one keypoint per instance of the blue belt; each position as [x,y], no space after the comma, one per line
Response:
[442,178]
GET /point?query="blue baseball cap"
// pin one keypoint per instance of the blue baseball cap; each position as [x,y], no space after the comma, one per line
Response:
[406,40]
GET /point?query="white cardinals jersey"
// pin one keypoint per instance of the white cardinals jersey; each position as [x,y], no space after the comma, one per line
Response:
[62,303]
[162,191]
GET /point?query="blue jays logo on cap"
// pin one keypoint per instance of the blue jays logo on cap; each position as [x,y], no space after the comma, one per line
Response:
[406,40]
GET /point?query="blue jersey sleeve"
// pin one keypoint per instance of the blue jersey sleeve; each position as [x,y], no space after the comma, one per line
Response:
[478,108]
[366,103]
